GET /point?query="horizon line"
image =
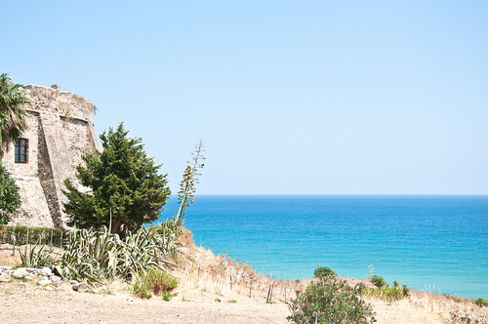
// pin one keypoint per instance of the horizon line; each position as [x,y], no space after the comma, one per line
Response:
[340,194]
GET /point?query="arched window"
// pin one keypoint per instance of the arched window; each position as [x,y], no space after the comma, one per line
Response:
[21,150]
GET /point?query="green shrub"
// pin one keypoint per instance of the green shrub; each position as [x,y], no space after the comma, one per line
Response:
[330,300]
[405,291]
[323,272]
[218,300]
[360,288]
[396,284]
[166,295]
[9,195]
[480,301]
[140,289]
[37,235]
[378,281]
[159,281]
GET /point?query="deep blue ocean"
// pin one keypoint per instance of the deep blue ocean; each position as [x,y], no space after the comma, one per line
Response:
[431,243]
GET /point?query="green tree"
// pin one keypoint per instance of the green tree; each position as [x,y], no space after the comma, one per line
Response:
[13,118]
[124,182]
[9,196]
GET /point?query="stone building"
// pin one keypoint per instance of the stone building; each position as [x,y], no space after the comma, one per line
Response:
[60,130]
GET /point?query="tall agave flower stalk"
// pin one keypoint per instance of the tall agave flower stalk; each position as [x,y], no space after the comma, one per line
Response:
[186,195]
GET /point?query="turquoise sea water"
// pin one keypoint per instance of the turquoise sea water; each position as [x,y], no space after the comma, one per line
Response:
[432,243]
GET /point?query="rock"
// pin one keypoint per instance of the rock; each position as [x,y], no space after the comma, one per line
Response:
[57,271]
[20,273]
[101,289]
[46,271]
[5,277]
[58,283]
[74,282]
[45,282]
[54,278]
[33,270]
[80,287]
[49,288]
[5,268]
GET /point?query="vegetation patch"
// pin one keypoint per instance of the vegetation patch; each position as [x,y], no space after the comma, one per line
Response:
[323,272]
[378,281]
[388,293]
[34,256]
[481,302]
[94,255]
[158,281]
[329,300]
[22,234]
[140,289]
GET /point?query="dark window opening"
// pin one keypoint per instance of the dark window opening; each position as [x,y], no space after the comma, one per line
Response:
[21,149]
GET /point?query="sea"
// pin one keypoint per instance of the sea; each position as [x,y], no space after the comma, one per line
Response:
[433,243]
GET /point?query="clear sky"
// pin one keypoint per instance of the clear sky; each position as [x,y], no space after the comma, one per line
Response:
[289,97]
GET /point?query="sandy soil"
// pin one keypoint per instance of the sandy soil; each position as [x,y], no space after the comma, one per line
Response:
[34,305]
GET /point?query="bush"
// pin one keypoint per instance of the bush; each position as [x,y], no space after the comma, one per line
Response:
[330,300]
[378,281]
[159,281]
[140,289]
[405,291]
[360,288]
[37,235]
[323,272]
[166,295]
[9,195]
[480,301]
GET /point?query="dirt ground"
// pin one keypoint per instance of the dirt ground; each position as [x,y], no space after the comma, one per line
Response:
[28,304]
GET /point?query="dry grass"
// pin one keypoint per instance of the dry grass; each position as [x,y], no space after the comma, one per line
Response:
[204,276]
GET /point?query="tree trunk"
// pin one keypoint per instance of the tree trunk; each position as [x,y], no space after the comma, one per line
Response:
[116,224]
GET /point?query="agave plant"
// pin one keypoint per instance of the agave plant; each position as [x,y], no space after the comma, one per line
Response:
[94,255]
[35,256]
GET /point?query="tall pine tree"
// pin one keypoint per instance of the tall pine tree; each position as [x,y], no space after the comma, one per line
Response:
[124,182]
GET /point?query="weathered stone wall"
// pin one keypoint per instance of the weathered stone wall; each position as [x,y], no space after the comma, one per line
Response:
[60,131]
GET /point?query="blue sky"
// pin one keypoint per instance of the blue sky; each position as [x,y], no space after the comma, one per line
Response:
[289,97]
